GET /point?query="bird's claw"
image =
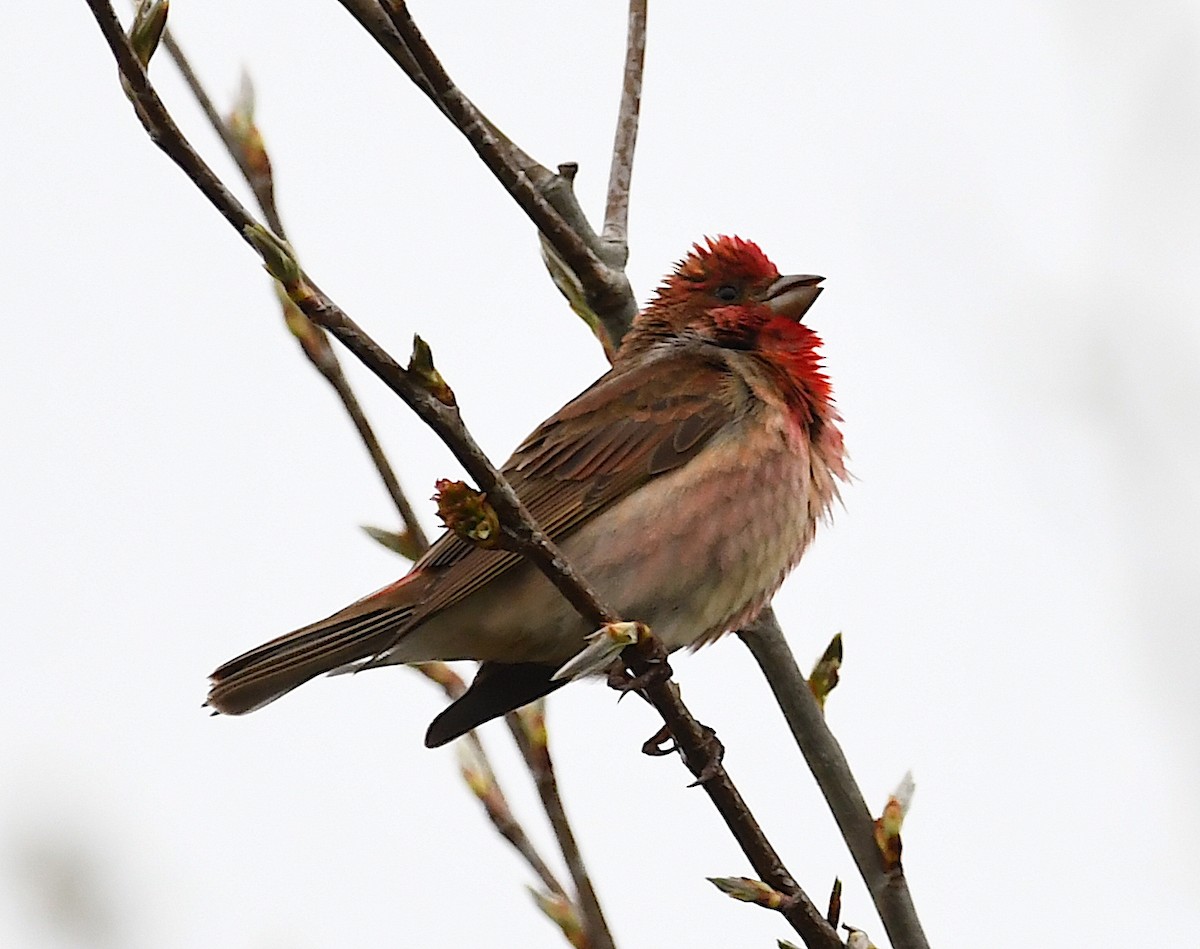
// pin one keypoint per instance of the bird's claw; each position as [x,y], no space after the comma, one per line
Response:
[662,742]
[657,672]
[714,753]
[655,746]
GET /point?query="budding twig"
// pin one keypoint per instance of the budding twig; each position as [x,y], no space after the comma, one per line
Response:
[620,176]
[245,145]
[887,826]
[834,913]
[481,778]
[528,727]
[888,888]
[476,770]
[561,912]
[824,677]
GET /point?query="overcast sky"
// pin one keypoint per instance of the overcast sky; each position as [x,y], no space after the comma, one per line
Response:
[1005,203]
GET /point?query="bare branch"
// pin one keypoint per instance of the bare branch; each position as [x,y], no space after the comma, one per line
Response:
[888,888]
[495,151]
[616,212]
[548,199]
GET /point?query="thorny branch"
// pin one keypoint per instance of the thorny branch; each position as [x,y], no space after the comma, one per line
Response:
[444,419]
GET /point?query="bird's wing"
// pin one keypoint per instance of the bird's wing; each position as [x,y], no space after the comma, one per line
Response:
[630,426]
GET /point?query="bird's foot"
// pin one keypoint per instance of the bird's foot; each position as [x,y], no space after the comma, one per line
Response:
[662,742]
[657,672]
[656,745]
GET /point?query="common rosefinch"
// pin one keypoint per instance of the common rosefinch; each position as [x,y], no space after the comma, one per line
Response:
[684,484]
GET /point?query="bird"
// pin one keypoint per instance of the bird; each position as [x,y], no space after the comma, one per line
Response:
[684,484]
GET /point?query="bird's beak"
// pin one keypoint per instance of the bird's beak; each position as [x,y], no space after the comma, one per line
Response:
[791,296]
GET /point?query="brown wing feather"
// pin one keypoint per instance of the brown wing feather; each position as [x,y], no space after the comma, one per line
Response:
[631,425]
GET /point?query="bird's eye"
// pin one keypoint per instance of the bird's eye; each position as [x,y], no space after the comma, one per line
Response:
[727,292]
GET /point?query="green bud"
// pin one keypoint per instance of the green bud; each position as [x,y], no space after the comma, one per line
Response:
[149,21]
[278,257]
[824,676]
[749,891]
[420,365]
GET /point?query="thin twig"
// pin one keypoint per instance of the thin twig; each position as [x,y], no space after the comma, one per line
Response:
[264,193]
[536,751]
[208,107]
[692,739]
[888,888]
[496,807]
[258,176]
[616,212]
[488,790]
[412,526]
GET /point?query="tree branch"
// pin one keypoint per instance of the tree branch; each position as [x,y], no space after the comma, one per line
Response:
[548,199]
[616,212]
[250,155]
[528,728]
[888,888]
[692,739]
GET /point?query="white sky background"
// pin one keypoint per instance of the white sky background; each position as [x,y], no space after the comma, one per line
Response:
[1005,201]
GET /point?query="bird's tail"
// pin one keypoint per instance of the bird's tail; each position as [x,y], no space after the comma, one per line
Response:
[360,631]
[498,689]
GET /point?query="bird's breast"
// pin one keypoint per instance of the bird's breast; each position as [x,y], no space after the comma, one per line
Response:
[706,546]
